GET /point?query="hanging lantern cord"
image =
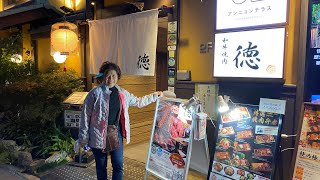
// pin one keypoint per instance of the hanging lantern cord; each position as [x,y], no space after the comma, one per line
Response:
[64,67]
[64,13]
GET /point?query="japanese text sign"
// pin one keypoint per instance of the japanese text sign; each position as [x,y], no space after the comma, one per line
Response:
[308,154]
[244,13]
[253,54]
[272,105]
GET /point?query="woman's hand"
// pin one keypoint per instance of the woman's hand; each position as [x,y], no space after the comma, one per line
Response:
[159,93]
[78,145]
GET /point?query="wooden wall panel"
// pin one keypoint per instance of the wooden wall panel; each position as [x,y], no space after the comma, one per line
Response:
[140,87]
[134,110]
[125,79]
[141,119]
[185,89]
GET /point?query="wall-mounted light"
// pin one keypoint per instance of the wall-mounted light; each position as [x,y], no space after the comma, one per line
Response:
[59,58]
[191,102]
[223,104]
[17,58]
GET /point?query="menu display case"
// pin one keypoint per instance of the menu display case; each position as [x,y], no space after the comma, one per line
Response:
[247,144]
[307,154]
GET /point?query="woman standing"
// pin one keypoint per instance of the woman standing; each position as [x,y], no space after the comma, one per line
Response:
[108,105]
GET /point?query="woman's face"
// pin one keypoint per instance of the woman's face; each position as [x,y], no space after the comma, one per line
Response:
[111,78]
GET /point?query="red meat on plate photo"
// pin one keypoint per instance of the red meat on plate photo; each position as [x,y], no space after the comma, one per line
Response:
[244,134]
[264,138]
[225,143]
[262,152]
[236,114]
[222,155]
[242,146]
[261,166]
[226,131]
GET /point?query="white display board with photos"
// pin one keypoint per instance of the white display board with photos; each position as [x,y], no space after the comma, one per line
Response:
[307,162]
[171,141]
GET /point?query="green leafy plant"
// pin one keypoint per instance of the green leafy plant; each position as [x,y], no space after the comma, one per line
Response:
[35,105]
[31,103]
[26,142]
[56,141]
[7,157]
[11,71]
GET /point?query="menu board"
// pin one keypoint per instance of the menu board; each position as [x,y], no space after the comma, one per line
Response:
[308,154]
[169,154]
[247,144]
[72,118]
[76,98]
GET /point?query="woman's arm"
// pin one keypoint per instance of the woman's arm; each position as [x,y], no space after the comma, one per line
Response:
[142,101]
[86,113]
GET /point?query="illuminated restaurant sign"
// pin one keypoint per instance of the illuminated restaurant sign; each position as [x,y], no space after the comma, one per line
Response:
[252,54]
[244,13]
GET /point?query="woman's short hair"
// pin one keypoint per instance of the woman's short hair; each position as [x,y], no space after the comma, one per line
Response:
[107,66]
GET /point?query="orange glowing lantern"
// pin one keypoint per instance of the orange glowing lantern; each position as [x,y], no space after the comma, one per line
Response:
[64,38]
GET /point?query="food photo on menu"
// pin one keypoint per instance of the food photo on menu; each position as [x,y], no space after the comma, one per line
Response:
[237,114]
[241,149]
[168,150]
[310,138]
[172,131]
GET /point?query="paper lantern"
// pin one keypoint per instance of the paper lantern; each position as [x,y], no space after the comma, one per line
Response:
[59,58]
[64,38]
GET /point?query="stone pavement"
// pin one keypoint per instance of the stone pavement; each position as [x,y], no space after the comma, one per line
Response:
[8,172]
[133,170]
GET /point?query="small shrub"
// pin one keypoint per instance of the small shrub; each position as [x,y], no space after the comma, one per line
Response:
[56,140]
[31,108]
[7,157]
[31,104]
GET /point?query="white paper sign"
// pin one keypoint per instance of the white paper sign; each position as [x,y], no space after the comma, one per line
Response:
[272,105]
[268,130]
[172,48]
[171,89]
[253,54]
[172,27]
[244,13]
[207,94]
